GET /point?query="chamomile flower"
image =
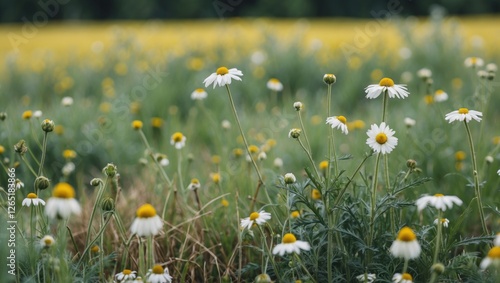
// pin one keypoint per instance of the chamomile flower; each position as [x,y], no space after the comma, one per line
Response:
[47,241]
[274,85]
[178,140]
[409,122]
[18,184]
[62,203]
[147,222]
[440,95]
[257,218]
[386,84]
[223,77]
[473,62]
[439,201]
[199,94]
[442,221]
[278,162]
[32,198]
[406,245]
[67,101]
[194,185]
[289,178]
[369,277]
[381,138]
[37,114]
[424,73]
[126,275]
[338,122]
[158,275]
[463,114]
[493,257]
[290,244]
[402,278]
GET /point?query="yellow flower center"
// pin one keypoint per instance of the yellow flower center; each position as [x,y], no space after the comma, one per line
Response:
[295,214]
[439,195]
[94,249]
[157,269]
[127,272]
[381,138]
[146,211]
[342,119]
[323,165]
[199,90]
[63,190]
[473,60]
[68,154]
[48,241]
[195,181]
[463,111]
[32,195]
[254,215]
[406,276]
[216,178]
[406,234]
[253,148]
[428,99]
[177,137]
[224,203]
[316,194]
[27,114]
[439,92]
[156,122]
[274,81]
[136,124]
[222,71]
[289,238]
[460,156]
[386,82]
[494,253]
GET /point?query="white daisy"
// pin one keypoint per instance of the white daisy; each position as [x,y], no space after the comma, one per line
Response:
[199,94]
[290,244]
[223,77]
[381,138]
[194,185]
[294,133]
[402,278]
[338,122]
[147,222]
[178,140]
[439,201]
[289,178]
[386,84]
[406,245]
[37,114]
[278,162]
[62,203]
[257,218]
[367,277]
[158,275]
[67,101]
[444,222]
[47,241]
[32,198]
[126,275]
[491,68]
[463,114]
[473,62]
[68,168]
[424,73]
[409,122]
[19,185]
[440,96]
[493,257]
[274,85]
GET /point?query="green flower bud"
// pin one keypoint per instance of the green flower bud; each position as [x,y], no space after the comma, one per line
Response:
[108,204]
[110,170]
[41,183]
[3,116]
[329,79]
[48,125]
[21,147]
[438,268]
[95,182]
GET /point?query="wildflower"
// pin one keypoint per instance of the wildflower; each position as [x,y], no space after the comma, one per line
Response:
[67,101]
[215,177]
[262,155]
[323,165]
[62,203]
[329,79]
[290,244]
[223,77]
[428,99]
[386,84]
[409,122]
[370,277]
[69,154]
[491,68]
[463,114]
[289,178]
[482,74]
[237,152]
[42,182]
[440,96]
[156,122]
[473,62]
[68,168]
[158,275]
[338,122]
[47,241]
[48,125]
[402,278]
[274,85]
[257,218]
[298,105]
[278,162]
[226,125]
[295,214]
[442,221]
[316,194]
[424,73]
[381,138]
[194,185]
[460,156]
[406,245]
[125,275]
[199,94]
[439,201]
[19,184]
[294,133]
[263,278]
[489,159]
[37,114]
[136,125]
[253,148]
[147,223]
[178,140]
[493,257]
[224,202]
[95,249]
[27,114]
[2,149]
[32,198]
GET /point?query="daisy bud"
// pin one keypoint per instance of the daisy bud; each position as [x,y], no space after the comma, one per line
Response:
[290,178]
[263,278]
[412,164]
[438,268]
[3,116]
[482,74]
[409,122]
[226,125]
[136,125]
[294,133]
[278,162]
[329,79]
[21,147]
[297,105]
[108,204]
[95,182]
[41,183]
[48,125]
[489,159]
[110,170]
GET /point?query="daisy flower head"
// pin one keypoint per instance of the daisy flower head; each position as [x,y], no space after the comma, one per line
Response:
[137,125]
[158,275]
[402,278]
[263,278]
[194,185]
[381,138]
[473,62]
[274,85]
[463,114]
[199,94]
[27,114]
[409,122]
[439,201]
[18,184]
[62,203]
[47,241]
[223,77]
[440,95]
[32,198]
[493,258]
[37,114]
[386,84]
[290,244]
[367,277]
[255,218]
[126,275]
[338,122]
[442,221]
[424,73]
[294,133]
[329,79]
[289,178]
[67,101]
[298,105]
[406,245]
[178,140]
[147,222]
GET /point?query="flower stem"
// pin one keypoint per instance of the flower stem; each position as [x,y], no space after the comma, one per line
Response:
[373,200]
[44,150]
[150,152]
[476,180]
[438,243]
[304,131]
[310,157]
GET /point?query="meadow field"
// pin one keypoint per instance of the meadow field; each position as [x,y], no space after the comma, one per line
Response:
[340,150]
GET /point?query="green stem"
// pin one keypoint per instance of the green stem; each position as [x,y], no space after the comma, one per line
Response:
[29,166]
[150,259]
[373,200]
[438,238]
[304,131]
[97,202]
[270,255]
[179,169]
[150,151]
[44,150]
[310,157]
